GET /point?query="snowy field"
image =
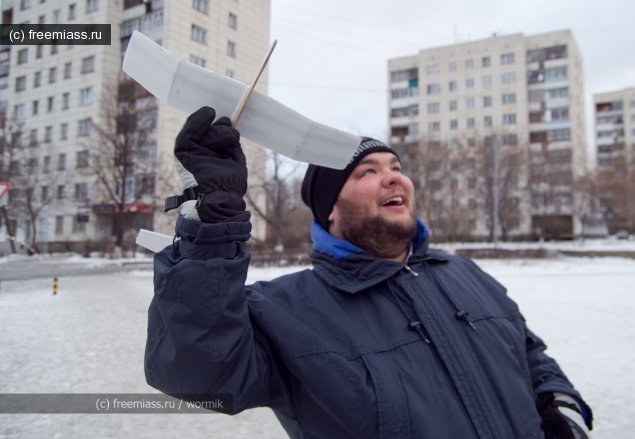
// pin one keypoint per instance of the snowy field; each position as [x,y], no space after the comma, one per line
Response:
[90,339]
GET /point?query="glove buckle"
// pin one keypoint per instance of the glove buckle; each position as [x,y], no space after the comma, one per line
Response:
[189,193]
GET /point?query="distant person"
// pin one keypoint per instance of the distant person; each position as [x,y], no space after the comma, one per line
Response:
[383,338]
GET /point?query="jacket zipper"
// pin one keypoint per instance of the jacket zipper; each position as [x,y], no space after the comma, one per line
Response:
[414,273]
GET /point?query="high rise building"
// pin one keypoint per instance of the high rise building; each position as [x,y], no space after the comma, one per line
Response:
[56,97]
[519,95]
[614,114]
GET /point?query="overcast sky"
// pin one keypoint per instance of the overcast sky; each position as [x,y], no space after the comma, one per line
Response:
[331,60]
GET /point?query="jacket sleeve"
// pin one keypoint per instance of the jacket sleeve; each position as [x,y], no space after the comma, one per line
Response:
[546,375]
[200,339]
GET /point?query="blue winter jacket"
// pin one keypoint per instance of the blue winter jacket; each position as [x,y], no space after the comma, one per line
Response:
[357,347]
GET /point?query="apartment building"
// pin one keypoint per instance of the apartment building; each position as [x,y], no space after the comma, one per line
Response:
[57,95]
[614,117]
[513,93]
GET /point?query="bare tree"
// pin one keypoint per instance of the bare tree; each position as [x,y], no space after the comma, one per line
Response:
[512,166]
[123,153]
[11,133]
[284,207]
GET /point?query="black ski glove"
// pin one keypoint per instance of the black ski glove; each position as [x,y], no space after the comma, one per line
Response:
[561,417]
[213,169]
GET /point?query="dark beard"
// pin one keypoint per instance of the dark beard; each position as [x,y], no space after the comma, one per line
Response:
[374,234]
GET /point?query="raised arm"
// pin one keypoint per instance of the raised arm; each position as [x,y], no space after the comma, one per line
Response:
[200,339]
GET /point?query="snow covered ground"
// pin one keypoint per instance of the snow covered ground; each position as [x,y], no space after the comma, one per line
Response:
[90,338]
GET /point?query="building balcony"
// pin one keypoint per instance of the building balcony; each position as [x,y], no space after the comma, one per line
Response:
[148,24]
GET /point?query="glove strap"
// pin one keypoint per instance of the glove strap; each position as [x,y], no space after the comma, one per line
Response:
[191,193]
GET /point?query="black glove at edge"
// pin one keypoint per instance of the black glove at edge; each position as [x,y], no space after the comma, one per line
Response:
[555,423]
[214,165]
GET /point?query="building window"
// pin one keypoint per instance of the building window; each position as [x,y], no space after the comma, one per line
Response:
[230,73]
[71,12]
[61,162]
[201,6]
[231,49]
[434,89]
[198,34]
[232,21]
[25,4]
[452,85]
[83,127]
[561,135]
[38,51]
[432,70]
[507,58]
[59,224]
[487,81]
[434,126]
[559,114]
[510,139]
[452,66]
[486,61]
[37,79]
[86,96]
[44,193]
[508,78]
[469,103]
[404,75]
[471,183]
[469,83]
[454,124]
[509,119]
[487,121]
[557,93]
[556,74]
[68,70]
[554,52]
[434,107]
[50,104]
[48,134]
[66,98]
[23,56]
[52,75]
[471,142]
[471,203]
[79,223]
[509,98]
[92,5]
[82,159]
[81,191]
[453,105]
[47,164]
[470,122]
[54,49]
[196,60]
[20,83]
[88,64]
[18,111]
[33,137]
[487,101]
[64,131]
[404,93]
[61,192]
[469,64]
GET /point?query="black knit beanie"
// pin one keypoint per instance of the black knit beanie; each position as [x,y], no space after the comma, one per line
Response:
[321,186]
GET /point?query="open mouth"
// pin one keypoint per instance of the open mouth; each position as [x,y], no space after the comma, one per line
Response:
[393,201]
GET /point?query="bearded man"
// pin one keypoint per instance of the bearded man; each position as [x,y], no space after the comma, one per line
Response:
[383,338]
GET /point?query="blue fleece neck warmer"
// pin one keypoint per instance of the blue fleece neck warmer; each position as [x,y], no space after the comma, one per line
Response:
[327,244]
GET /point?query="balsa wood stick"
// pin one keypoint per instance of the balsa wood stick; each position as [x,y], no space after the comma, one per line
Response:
[243,101]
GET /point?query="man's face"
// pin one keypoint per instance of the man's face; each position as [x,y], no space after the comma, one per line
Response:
[375,208]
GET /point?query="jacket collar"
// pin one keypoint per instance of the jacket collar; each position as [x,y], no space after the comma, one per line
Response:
[348,268]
